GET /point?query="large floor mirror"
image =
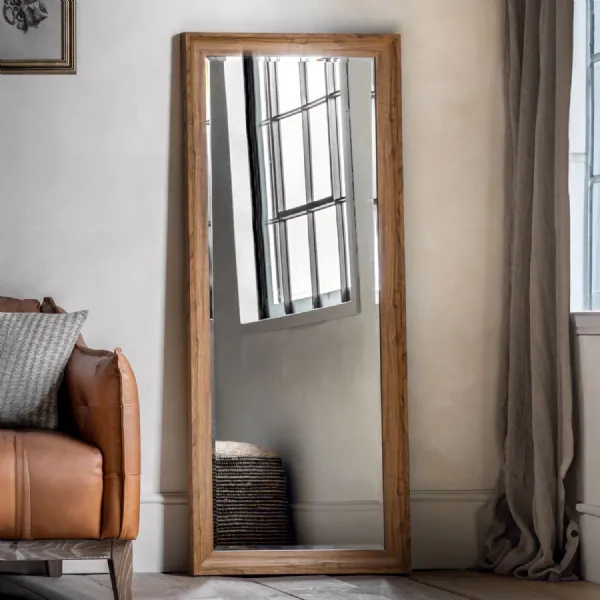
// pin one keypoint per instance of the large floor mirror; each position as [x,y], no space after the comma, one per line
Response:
[298,408]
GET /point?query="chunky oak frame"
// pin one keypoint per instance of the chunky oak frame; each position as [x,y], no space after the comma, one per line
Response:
[395,557]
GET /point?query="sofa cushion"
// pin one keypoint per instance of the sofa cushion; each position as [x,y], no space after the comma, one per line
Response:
[34,350]
[13,305]
[51,486]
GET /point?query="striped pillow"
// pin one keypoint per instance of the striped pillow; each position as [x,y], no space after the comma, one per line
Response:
[34,351]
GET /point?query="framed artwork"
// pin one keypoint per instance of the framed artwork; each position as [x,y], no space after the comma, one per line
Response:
[37,36]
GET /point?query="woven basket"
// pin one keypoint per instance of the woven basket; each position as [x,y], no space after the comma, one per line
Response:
[251,504]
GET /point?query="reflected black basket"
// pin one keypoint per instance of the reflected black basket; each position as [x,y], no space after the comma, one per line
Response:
[251,500]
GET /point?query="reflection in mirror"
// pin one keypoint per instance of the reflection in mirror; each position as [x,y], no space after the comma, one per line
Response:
[294,281]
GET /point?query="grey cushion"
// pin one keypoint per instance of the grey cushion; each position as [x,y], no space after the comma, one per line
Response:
[34,351]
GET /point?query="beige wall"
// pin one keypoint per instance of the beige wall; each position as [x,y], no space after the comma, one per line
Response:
[91,213]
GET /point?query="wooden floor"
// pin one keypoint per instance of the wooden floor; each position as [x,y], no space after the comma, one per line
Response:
[454,585]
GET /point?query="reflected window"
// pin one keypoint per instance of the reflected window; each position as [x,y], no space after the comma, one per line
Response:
[300,158]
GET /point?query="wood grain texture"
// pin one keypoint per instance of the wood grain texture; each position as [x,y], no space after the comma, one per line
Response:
[200,409]
[300,562]
[392,305]
[54,550]
[120,567]
[53,568]
[395,557]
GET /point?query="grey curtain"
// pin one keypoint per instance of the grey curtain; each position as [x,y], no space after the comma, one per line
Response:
[531,532]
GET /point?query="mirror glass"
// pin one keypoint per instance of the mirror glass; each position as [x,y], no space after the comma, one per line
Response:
[295,316]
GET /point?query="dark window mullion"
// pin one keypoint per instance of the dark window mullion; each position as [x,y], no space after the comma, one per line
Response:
[278,190]
[308,184]
[336,187]
[290,213]
[304,106]
[257,176]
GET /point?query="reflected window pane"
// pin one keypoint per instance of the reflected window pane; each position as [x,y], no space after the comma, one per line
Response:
[328,258]
[319,136]
[341,150]
[376,237]
[274,262]
[268,170]
[261,66]
[315,78]
[345,209]
[374,144]
[288,83]
[292,154]
[299,258]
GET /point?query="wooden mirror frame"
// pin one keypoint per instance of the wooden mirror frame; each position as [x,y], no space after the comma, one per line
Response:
[395,557]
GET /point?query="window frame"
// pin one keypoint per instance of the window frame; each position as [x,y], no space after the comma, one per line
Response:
[589,151]
[591,297]
[285,311]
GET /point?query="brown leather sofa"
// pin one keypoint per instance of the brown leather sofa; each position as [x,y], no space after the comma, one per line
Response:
[75,493]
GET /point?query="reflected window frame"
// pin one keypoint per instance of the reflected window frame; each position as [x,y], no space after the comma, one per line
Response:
[270,215]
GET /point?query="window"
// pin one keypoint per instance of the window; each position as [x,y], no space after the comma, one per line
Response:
[584,167]
[297,116]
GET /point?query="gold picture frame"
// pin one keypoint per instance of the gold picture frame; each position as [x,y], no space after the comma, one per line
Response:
[66,64]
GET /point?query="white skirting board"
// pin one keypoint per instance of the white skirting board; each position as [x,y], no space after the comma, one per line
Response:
[589,522]
[444,529]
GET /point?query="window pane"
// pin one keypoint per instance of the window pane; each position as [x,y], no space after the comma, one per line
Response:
[273,259]
[374,143]
[328,258]
[288,83]
[267,167]
[595,233]
[336,75]
[315,77]
[376,250]
[341,134]
[596,110]
[345,209]
[319,137]
[596,25]
[292,152]
[299,258]
[260,66]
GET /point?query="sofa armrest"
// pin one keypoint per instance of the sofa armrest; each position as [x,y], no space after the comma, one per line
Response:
[103,397]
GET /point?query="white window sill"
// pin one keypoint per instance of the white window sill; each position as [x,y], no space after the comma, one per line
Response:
[586,323]
[347,309]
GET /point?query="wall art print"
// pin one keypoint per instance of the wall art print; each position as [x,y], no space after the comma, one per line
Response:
[37,36]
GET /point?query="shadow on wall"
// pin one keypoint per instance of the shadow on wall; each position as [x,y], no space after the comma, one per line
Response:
[173,459]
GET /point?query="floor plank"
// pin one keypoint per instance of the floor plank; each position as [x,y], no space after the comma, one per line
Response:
[180,587]
[10,590]
[393,588]
[480,586]
[68,587]
[354,588]
[441,585]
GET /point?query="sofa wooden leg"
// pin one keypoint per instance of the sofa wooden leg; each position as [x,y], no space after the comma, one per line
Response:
[53,568]
[120,565]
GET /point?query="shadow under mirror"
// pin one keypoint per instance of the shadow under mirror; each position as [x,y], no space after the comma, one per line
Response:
[297,439]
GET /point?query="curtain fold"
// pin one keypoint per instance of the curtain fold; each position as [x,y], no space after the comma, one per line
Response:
[532,532]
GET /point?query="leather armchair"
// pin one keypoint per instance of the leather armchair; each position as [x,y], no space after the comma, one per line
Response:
[81,483]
